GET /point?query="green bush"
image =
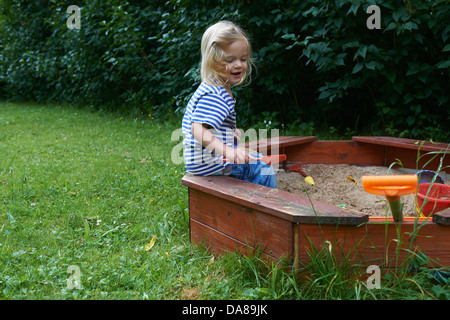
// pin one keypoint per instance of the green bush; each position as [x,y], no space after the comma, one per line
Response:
[398,75]
[317,62]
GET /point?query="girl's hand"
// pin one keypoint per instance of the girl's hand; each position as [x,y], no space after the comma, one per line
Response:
[239,156]
[202,134]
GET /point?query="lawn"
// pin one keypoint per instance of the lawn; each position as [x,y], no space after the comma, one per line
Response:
[96,197]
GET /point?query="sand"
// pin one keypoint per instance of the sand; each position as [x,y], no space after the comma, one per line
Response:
[333,187]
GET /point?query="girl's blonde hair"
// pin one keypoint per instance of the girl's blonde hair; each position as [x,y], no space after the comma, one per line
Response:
[212,65]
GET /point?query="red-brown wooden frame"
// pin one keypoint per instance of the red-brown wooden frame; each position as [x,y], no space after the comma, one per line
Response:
[227,214]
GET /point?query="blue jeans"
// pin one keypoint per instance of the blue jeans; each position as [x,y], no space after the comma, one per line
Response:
[256,172]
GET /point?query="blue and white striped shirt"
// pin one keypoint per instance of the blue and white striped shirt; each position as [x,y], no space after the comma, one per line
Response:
[213,106]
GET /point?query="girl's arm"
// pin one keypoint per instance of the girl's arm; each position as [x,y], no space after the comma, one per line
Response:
[202,134]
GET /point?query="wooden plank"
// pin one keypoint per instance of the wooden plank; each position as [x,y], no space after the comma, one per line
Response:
[408,159]
[442,217]
[352,243]
[265,146]
[403,143]
[406,150]
[337,152]
[259,230]
[378,243]
[274,202]
[219,243]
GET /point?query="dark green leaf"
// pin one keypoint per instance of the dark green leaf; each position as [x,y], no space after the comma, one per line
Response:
[357,67]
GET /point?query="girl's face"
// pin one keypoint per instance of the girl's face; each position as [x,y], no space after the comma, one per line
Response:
[235,59]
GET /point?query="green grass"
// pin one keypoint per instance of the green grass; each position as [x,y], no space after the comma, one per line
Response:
[89,189]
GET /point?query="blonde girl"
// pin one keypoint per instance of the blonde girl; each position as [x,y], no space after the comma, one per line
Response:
[209,123]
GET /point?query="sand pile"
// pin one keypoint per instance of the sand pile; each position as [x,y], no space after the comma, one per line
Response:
[333,185]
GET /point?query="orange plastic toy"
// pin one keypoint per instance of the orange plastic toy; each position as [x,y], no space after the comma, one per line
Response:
[392,187]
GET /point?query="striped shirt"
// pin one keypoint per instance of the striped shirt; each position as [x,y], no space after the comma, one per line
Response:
[213,106]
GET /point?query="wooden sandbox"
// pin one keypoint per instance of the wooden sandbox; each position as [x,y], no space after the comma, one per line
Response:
[228,214]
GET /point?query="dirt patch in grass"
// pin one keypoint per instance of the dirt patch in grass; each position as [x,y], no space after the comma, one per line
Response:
[334,186]
[190,294]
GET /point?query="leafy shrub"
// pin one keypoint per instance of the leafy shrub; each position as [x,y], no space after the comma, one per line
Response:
[398,74]
[317,62]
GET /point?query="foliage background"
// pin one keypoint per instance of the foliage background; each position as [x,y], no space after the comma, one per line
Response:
[318,65]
